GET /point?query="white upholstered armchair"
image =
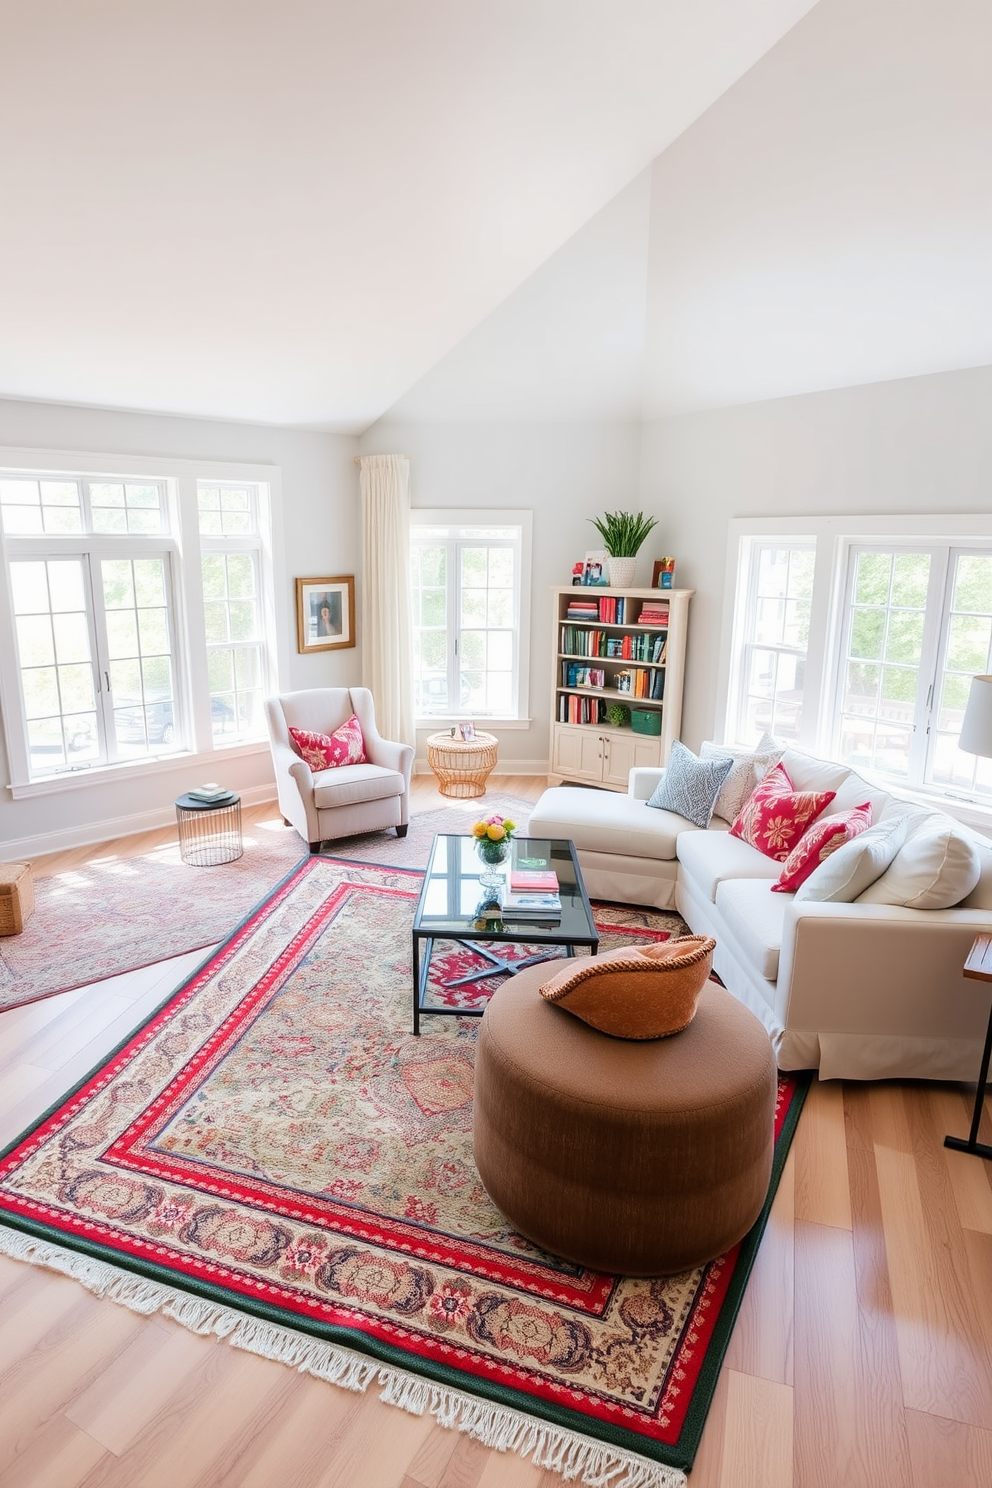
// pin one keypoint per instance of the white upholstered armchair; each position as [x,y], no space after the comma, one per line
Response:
[341,802]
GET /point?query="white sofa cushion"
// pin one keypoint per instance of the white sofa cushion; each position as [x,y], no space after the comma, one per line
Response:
[708,858]
[809,774]
[347,785]
[936,867]
[748,766]
[755,917]
[602,821]
[855,866]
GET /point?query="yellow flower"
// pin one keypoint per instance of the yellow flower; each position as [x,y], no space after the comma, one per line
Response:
[510,826]
[480,829]
[494,833]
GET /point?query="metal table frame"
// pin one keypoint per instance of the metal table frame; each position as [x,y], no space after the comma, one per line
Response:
[458,929]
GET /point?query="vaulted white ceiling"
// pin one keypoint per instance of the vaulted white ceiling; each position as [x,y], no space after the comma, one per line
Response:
[827,222]
[290,210]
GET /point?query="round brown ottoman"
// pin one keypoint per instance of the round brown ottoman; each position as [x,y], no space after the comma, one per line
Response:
[641,1158]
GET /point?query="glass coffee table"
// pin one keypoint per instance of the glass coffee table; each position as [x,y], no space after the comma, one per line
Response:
[454,906]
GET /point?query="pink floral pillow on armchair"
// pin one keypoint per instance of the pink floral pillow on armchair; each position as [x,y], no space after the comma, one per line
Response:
[345,746]
[776,815]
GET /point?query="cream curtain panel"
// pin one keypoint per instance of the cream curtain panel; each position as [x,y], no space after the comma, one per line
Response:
[386,628]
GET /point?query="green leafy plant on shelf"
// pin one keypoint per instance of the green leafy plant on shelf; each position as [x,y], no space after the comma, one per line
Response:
[623,532]
[618,715]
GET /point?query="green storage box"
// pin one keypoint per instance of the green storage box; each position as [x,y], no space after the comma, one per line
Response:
[645,720]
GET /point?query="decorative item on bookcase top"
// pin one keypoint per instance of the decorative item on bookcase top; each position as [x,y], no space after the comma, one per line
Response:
[325,613]
[623,533]
[663,573]
[579,572]
[596,568]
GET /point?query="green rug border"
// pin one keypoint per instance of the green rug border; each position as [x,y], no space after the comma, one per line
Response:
[680,1455]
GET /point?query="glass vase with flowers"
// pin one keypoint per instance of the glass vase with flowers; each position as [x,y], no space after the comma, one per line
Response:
[492,843]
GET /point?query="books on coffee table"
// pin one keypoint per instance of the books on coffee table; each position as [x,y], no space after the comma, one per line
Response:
[533,880]
[521,904]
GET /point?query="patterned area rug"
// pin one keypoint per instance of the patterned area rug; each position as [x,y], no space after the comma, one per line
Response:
[274,1157]
[115,915]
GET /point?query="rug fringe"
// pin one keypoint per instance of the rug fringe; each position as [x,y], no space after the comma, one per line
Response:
[498,1426]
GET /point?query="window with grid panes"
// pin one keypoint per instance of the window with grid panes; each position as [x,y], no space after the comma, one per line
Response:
[96,672]
[465,582]
[891,630]
[92,618]
[772,669]
[232,609]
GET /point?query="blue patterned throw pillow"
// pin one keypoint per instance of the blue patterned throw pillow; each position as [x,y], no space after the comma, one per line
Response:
[691,785]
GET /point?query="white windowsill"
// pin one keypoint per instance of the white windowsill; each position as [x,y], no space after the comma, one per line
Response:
[438,725]
[157,765]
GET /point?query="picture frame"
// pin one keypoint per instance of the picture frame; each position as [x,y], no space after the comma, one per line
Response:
[325,613]
[597,573]
[663,573]
[467,731]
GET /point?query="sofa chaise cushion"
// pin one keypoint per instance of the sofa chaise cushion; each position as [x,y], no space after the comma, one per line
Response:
[604,822]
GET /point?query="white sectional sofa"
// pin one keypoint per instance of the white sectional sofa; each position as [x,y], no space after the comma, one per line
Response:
[861,990]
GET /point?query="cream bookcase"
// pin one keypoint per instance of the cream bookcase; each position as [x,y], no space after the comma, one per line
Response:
[596,660]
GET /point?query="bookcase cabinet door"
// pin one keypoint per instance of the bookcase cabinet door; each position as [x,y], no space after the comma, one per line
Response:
[622,752]
[577,753]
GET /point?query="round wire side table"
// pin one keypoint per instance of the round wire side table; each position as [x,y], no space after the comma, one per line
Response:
[462,766]
[209,831]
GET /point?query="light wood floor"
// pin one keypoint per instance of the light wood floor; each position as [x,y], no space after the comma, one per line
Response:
[862,1357]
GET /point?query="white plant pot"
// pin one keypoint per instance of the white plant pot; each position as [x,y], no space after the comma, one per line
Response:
[622,572]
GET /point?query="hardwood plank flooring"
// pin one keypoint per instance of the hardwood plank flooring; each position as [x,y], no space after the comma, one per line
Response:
[862,1354]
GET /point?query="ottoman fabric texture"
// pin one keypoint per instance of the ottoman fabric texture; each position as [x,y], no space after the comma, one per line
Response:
[640,1158]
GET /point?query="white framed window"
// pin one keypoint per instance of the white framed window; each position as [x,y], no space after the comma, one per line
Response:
[776,597]
[233,613]
[898,618]
[136,620]
[469,594]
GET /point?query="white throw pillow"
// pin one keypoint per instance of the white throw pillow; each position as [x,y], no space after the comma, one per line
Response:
[748,767]
[855,866]
[936,867]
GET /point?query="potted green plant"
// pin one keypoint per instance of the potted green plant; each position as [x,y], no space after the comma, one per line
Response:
[622,534]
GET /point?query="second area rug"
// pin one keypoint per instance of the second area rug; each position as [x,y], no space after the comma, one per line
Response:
[274,1157]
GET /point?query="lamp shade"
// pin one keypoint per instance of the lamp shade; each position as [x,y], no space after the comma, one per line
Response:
[976,730]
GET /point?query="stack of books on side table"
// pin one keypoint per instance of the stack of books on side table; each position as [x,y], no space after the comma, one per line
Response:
[209,793]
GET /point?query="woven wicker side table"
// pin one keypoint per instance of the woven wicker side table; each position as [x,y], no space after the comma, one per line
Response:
[16,897]
[462,766]
[209,831]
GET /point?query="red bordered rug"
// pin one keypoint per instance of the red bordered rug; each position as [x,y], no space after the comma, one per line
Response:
[275,1157]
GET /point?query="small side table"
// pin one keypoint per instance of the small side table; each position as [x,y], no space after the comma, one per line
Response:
[979,966]
[209,831]
[462,766]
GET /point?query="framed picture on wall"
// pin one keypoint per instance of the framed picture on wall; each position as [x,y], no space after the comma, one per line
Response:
[325,613]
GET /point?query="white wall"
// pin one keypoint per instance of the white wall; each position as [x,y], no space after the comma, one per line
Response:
[564,473]
[919,445]
[320,535]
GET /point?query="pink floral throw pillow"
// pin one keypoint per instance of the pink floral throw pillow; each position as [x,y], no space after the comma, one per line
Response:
[775,816]
[326,751]
[824,837]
